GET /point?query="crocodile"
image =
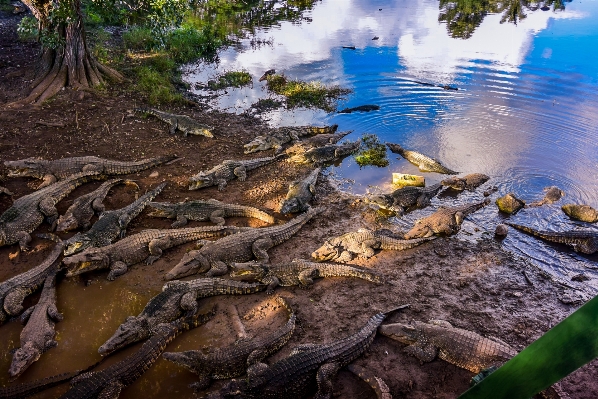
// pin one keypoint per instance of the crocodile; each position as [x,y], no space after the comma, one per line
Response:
[213,257]
[284,135]
[182,123]
[468,182]
[297,374]
[29,211]
[204,210]
[463,348]
[232,361]
[111,225]
[361,243]
[328,153]
[220,174]
[300,193]
[109,382]
[4,190]
[404,198]
[377,383]
[445,221]
[361,108]
[584,241]
[85,207]
[178,298]
[584,213]
[26,389]
[423,162]
[144,246]
[51,171]
[38,334]
[553,194]
[315,142]
[14,290]
[299,272]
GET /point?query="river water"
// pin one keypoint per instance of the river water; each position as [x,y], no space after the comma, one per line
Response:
[525,112]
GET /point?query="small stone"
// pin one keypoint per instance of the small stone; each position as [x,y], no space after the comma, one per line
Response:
[490,191]
[580,278]
[13,255]
[509,203]
[88,282]
[154,174]
[501,231]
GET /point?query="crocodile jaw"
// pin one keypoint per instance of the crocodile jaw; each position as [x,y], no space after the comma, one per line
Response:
[132,330]
[200,181]
[193,262]
[290,206]
[404,333]
[86,262]
[66,223]
[22,359]
[325,252]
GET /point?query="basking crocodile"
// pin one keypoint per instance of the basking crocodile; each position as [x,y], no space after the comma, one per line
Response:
[232,361]
[405,198]
[183,123]
[204,210]
[553,194]
[29,211]
[51,171]
[145,246]
[584,241]
[462,348]
[423,162]
[328,153]
[4,190]
[284,135]
[300,193]
[468,182]
[80,213]
[315,142]
[14,291]
[176,299]
[298,272]
[109,382]
[296,375]
[38,334]
[213,257]
[445,221]
[361,243]
[584,213]
[220,174]
[377,384]
[111,225]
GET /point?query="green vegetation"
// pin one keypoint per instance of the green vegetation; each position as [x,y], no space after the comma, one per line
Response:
[371,152]
[230,79]
[306,94]
[27,29]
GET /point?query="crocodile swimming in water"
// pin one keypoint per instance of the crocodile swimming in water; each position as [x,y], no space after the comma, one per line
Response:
[328,153]
[204,210]
[51,171]
[233,360]
[315,142]
[228,170]
[423,162]
[361,108]
[284,135]
[111,225]
[468,182]
[213,257]
[462,348]
[300,194]
[404,198]
[182,123]
[584,241]
[553,194]
[29,211]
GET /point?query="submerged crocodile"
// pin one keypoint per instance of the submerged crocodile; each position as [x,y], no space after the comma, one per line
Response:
[204,210]
[315,142]
[462,348]
[553,194]
[299,272]
[423,162]
[178,298]
[232,361]
[468,182]
[109,382]
[110,225]
[377,383]
[14,290]
[213,257]
[445,221]
[361,108]
[86,206]
[182,123]
[584,213]
[584,241]
[300,193]
[284,135]
[296,375]
[145,246]
[38,334]
[51,171]
[228,170]
[328,153]
[361,243]
[29,211]
[405,198]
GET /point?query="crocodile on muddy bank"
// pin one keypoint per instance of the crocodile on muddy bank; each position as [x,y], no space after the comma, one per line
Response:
[284,135]
[300,194]
[404,198]
[584,241]
[423,162]
[328,153]
[320,140]
[228,170]
[182,123]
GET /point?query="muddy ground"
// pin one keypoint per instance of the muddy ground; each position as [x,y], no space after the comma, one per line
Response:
[476,286]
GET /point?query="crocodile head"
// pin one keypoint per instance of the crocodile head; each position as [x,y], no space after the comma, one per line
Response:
[257,144]
[193,262]
[134,329]
[405,333]
[66,223]
[203,130]
[193,360]
[23,358]
[328,251]
[291,205]
[86,261]
[248,271]
[233,389]
[162,210]
[382,200]
[24,168]
[201,180]
[76,243]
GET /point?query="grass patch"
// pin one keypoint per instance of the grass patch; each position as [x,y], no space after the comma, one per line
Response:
[371,152]
[306,94]
[189,44]
[155,79]
[230,79]
[139,38]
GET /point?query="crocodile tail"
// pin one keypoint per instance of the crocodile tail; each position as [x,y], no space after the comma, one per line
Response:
[399,245]
[27,389]
[338,270]
[123,168]
[249,212]
[471,208]
[288,229]
[376,383]
[282,302]
[549,236]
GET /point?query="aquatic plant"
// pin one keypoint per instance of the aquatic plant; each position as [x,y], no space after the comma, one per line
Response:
[371,152]
[230,79]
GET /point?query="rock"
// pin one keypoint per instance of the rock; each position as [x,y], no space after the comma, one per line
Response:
[501,231]
[509,203]
[154,174]
[580,278]
[401,179]
[584,213]
[490,191]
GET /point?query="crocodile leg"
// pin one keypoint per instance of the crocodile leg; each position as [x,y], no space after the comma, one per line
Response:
[112,391]
[217,218]
[272,282]
[24,239]
[367,248]
[26,314]
[97,205]
[260,247]
[326,373]
[222,183]
[218,268]
[201,243]
[13,302]
[53,313]
[240,172]
[181,221]
[155,248]
[424,352]
[117,268]
[172,129]
[306,277]
[189,302]
[48,208]
[345,256]
[203,383]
